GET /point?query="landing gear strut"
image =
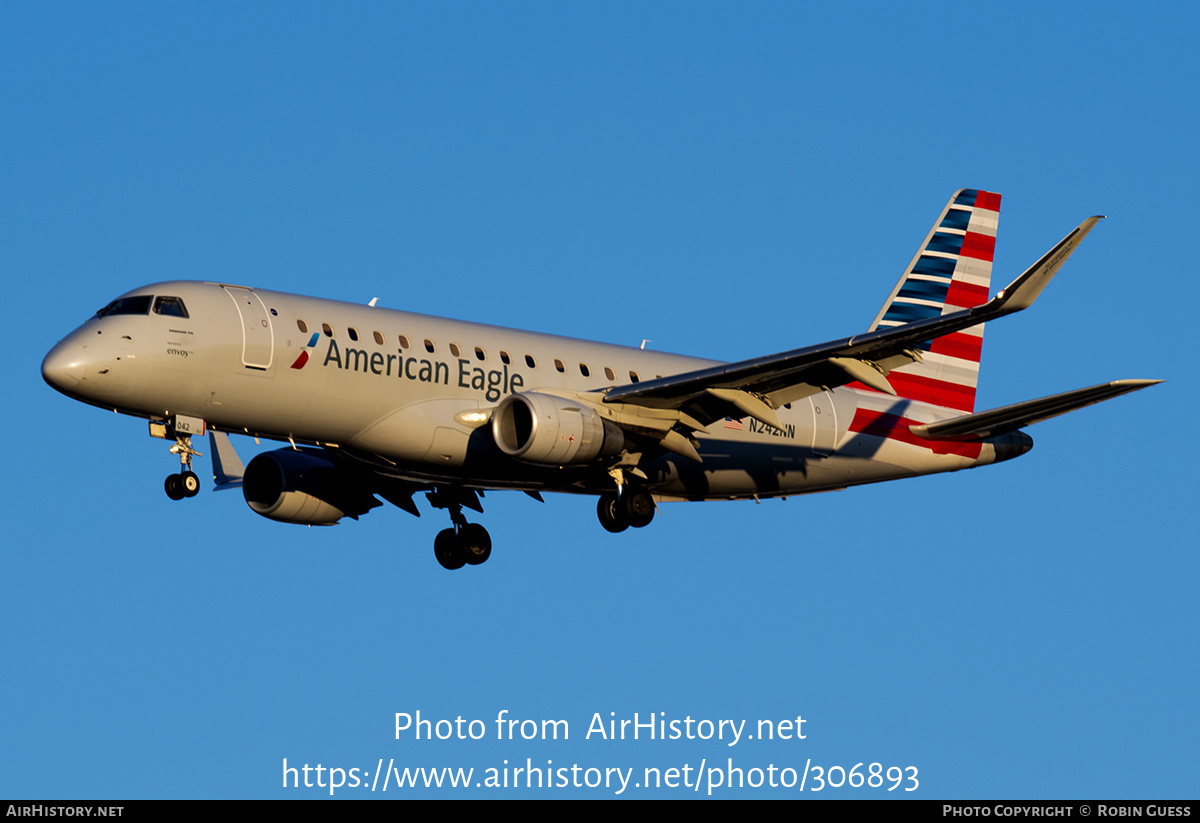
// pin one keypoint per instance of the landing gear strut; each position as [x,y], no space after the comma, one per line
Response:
[628,507]
[466,544]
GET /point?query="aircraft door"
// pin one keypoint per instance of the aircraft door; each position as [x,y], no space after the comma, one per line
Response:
[258,336]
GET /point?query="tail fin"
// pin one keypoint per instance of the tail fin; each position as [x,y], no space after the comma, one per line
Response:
[951,271]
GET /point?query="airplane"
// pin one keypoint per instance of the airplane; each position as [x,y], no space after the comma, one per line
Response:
[375,403]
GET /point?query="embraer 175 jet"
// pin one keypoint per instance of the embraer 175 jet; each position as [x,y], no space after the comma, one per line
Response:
[379,402]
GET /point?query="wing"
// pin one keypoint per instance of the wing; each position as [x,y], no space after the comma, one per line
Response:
[759,386]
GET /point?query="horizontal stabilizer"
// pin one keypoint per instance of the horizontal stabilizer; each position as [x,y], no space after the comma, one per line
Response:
[1005,419]
[227,466]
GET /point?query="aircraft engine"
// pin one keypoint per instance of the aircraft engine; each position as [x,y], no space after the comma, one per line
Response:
[549,430]
[303,487]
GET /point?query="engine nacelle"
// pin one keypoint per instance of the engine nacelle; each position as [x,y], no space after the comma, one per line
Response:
[553,431]
[302,486]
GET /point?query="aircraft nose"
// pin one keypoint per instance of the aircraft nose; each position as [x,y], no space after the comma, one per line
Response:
[63,366]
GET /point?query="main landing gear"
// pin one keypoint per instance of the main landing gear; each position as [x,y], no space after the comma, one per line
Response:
[624,508]
[466,544]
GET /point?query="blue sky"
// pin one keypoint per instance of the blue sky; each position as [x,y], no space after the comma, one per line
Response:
[724,180]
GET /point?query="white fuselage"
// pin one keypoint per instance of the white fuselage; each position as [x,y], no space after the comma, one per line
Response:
[398,390]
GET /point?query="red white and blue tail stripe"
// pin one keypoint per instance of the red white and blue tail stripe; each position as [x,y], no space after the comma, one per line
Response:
[951,271]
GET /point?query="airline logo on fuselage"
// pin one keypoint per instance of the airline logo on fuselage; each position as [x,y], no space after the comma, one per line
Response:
[494,383]
[303,358]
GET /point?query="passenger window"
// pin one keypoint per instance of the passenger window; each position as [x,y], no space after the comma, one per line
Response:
[454,350]
[169,307]
[633,377]
[584,370]
[325,327]
[302,326]
[429,347]
[609,373]
[353,333]
[378,338]
[530,362]
[479,355]
[504,358]
[403,342]
[558,364]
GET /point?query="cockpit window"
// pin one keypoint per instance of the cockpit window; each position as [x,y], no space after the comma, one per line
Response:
[127,305]
[170,306]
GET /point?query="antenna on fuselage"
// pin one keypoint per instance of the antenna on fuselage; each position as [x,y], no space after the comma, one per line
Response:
[643,346]
[372,303]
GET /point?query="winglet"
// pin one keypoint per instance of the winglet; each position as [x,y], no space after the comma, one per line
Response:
[1020,293]
[227,466]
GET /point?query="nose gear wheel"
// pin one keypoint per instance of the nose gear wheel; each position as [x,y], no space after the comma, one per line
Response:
[186,483]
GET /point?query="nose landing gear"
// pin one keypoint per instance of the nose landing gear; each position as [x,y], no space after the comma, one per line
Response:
[186,483]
